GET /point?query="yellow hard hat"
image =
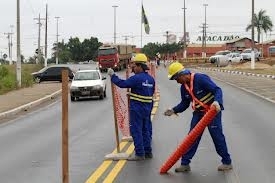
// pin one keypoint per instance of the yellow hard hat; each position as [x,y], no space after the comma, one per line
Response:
[174,69]
[140,57]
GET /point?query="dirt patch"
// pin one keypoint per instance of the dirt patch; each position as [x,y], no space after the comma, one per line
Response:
[258,65]
[260,68]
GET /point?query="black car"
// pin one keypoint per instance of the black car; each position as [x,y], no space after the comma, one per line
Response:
[53,73]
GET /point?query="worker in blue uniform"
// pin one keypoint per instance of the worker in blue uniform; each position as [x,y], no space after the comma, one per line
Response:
[202,92]
[142,87]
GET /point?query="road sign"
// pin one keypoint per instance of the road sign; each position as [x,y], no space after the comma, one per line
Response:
[5,55]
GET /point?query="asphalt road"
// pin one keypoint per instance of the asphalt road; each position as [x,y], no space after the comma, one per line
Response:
[31,144]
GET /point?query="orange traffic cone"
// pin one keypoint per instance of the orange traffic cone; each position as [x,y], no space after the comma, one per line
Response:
[189,140]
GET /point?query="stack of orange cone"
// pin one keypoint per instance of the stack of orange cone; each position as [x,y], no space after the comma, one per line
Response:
[189,140]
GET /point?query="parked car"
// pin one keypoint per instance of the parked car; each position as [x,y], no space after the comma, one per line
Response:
[246,54]
[52,73]
[220,55]
[88,83]
[235,58]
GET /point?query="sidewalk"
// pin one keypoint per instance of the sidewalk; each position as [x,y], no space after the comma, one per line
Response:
[28,97]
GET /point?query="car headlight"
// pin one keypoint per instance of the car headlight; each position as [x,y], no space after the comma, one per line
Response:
[97,87]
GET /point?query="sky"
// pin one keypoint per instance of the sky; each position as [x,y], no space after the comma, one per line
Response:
[95,18]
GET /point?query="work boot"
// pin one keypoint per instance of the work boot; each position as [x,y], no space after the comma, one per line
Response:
[183,168]
[224,167]
[136,158]
[148,156]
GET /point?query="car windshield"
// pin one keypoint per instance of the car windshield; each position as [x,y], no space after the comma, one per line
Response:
[42,70]
[247,51]
[222,53]
[87,76]
[107,51]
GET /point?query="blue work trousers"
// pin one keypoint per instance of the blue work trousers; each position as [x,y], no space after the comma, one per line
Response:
[139,124]
[216,132]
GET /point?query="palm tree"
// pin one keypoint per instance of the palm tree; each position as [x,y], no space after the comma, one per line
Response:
[262,22]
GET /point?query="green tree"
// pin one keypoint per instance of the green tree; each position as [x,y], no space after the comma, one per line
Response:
[90,47]
[262,22]
[151,49]
[76,49]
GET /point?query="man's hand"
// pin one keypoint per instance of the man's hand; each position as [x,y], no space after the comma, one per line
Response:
[110,72]
[169,112]
[217,106]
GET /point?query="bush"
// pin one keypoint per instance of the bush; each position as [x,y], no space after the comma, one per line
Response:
[3,72]
[8,81]
[27,79]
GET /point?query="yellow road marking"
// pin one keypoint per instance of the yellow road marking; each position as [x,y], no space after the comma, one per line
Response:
[103,167]
[117,168]
[113,174]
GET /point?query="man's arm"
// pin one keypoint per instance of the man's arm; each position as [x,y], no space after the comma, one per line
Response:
[184,104]
[128,83]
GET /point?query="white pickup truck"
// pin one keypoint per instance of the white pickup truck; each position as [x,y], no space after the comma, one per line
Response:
[219,58]
[246,54]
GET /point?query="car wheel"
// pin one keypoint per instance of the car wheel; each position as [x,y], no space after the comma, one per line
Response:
[72,98]
[101,97]
[37,80]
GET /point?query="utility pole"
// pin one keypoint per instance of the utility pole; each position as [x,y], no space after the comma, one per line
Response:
[167,35]
[114,6]
[18,63]
[56,57]
[252,38]
[202,39]
[204,36]
[184,30]
[39,37]
[46,38]
[9,36]
[126,39]
[11,44]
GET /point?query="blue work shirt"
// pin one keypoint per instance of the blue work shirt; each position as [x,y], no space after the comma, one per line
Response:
[142,88]
[203,86]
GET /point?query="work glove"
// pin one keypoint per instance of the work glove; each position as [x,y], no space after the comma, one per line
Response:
[217,106]
[110,72]
[169,112]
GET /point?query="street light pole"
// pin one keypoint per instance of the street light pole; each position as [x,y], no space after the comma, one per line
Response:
[56,55]
[184,30]
[204,36]
[18,62]
[252,38]
[114,6]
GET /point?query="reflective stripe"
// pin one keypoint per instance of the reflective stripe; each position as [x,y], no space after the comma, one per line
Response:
[205,102]
[140,96]
[141,100]
[206,96]
[194,99]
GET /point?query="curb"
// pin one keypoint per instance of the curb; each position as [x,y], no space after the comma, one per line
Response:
[238,72]
[28,106]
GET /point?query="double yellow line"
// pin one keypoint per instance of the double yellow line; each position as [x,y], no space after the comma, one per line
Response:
[97,174]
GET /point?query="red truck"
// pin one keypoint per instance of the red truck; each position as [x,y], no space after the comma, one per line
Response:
[113,56]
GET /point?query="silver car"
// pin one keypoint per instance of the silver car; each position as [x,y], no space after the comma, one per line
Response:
[88,83]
